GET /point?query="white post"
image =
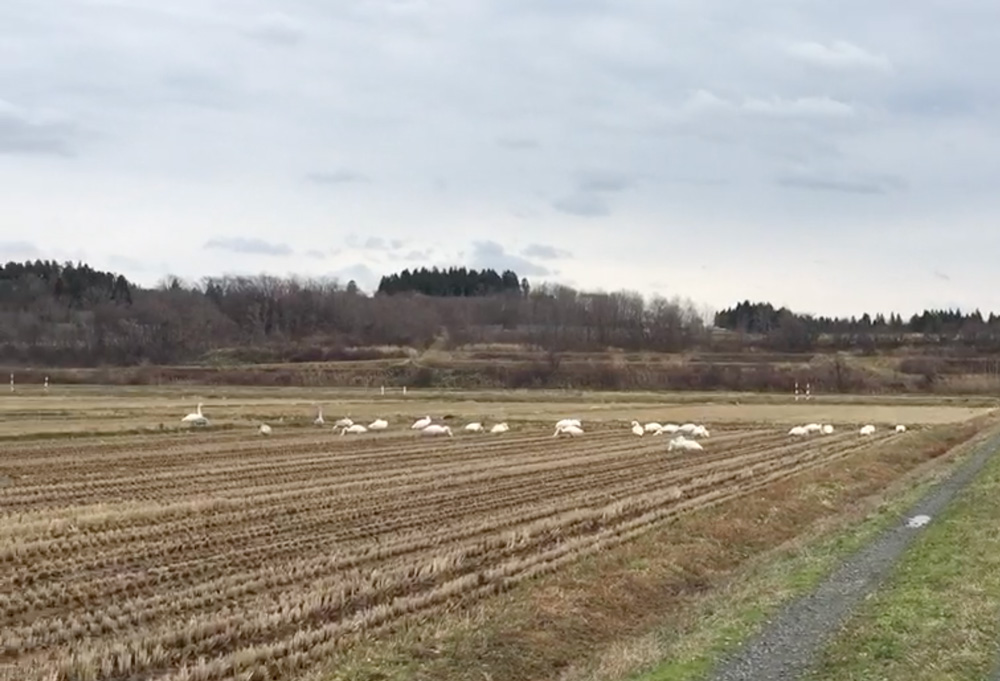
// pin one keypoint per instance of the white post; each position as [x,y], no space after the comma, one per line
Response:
[808,391]
[12,382]
[46,388]
[796,391]
[404,389]
[383,390]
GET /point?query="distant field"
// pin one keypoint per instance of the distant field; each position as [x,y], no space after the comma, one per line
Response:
[221,554]
[110,409]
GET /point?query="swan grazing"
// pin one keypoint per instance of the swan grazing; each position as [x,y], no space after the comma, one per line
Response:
[687,428]
[669,428]
[420,424]
[900,428]
[474,428]
[813,427]
[378,424]
[652,427]
[264,429]
[867,430]
[196,417]
[568,430]
[798,431]
[637,429]
[565,423]
[343,423]
[681,442]
[699,431]
[500,428]
[319,416]
[354,429]
[437,430]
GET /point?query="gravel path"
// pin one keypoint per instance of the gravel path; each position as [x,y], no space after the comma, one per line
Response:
[788,645]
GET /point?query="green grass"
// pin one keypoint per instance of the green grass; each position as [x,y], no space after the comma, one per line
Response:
[938,616]
[738,613]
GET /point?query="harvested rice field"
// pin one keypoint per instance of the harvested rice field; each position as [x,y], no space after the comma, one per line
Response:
[220,554]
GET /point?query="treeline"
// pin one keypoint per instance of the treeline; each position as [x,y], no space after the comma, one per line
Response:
[454,281]
[89,320]
[764,319]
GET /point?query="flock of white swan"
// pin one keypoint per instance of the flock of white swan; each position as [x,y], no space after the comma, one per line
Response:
[685,435]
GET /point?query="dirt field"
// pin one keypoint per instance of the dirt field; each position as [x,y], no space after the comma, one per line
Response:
[225,555]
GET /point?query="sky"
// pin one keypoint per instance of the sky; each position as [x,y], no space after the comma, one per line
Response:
[833,156]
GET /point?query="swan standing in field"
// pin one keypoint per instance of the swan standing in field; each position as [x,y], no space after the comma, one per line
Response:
[437,430]
[354,429]
[669,428]
[378,424]
[475,427]
[264,429]
[319,416]
[343,423]
[813,427]
[699,431]
[687,428]
[568,430]
[827,429]
[500,428]
[637,429]
[798,431]
[565,423]
[867,430]
[652,427]
[420,424]
[196,417]
[900,428]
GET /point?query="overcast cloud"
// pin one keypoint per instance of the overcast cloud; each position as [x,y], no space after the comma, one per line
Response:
[833,157]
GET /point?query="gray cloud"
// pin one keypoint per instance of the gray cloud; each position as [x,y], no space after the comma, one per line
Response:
[276,28]
[32,132]
[418,256]
[839,55]
[582,204]
[862,185]
[491,254]
[604,181]
[18,249]
[359,273]
[518,143]
[248,246]
[545,252]
[342,176]
[941,275]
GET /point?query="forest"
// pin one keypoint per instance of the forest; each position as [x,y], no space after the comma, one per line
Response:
[74,315]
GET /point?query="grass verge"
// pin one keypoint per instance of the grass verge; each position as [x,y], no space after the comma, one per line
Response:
[938,616]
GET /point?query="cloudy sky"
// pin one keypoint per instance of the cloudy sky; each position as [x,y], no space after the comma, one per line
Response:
[835,156]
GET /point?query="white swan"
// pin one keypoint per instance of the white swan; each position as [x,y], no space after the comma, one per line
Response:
[437,430]
[637,429]
[867,430]
[568,430]
[700,431]
[264,429]
[564,423]
[475,427]
[900,428]
[652,427]
[343,423]
[355,428]
[827,429]
[196,417]
[681,442]
[319,416]
[420,424]
[798,431]
[669,428]
[500,428]
[687,428]
[378,424]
